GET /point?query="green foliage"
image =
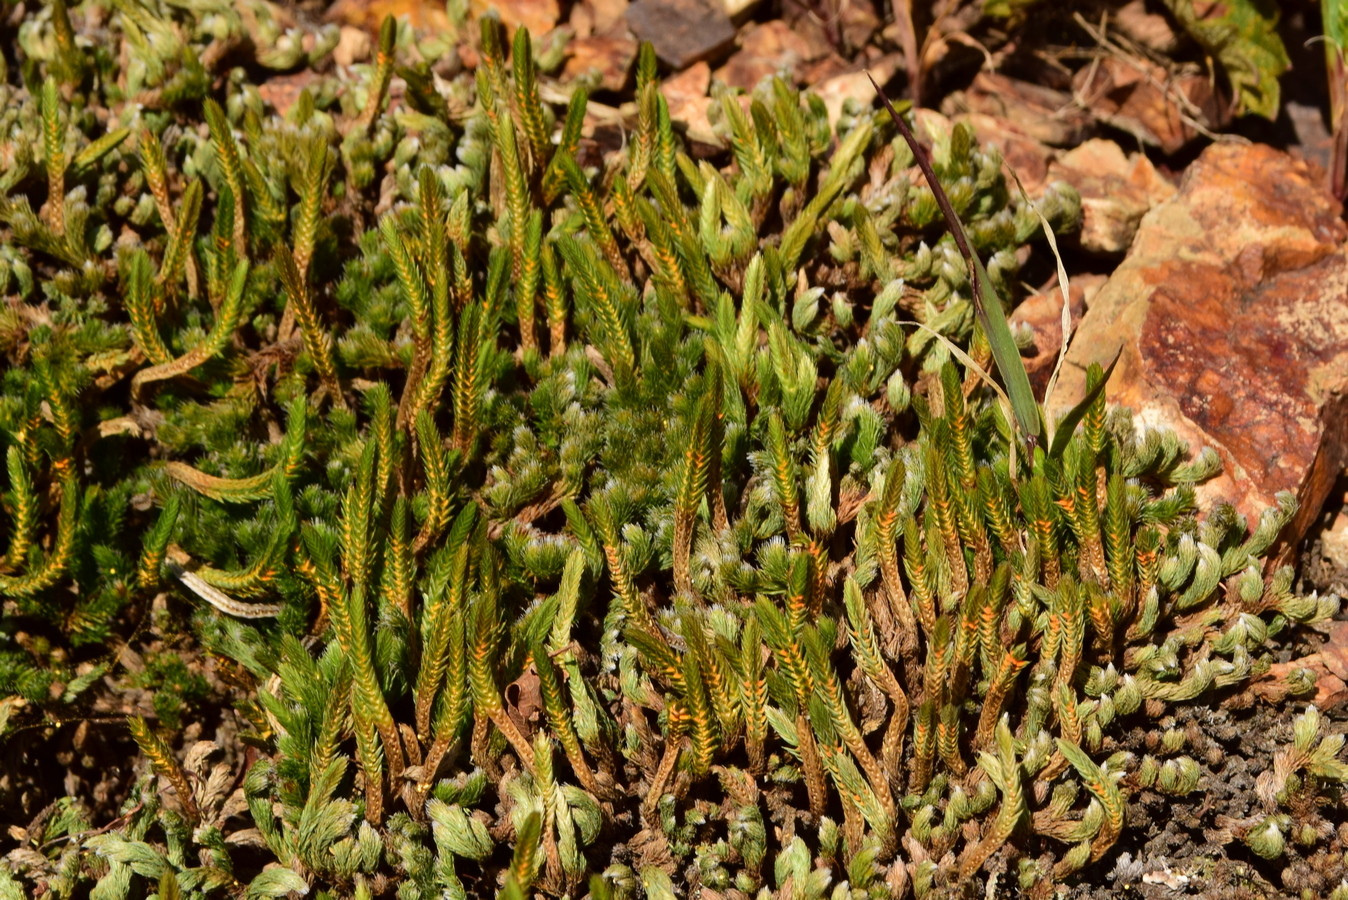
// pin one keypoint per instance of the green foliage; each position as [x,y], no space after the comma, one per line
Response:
[728,526]
[1303,794]
[1243,36]
[1240,35]
[1334,20]
[173,686]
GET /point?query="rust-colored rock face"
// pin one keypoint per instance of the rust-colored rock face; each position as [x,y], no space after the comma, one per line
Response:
[1231,315]
[771,48]
[1042,312]
[609,55]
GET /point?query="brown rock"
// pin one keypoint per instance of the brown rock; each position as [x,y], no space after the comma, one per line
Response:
[1146,28]
[806,21]
[1148,102]
[581,22]
[1040,113]
[1329,667]
[858,23]
[1334,542]
[814,74]
[539,16]
[601,17]
[1231,318]
[611,57]
[370,14]
[353,46]
[686,96]
[1042,312]
[836,91]
[856,85]
[1116,191]
[1026,156]
[281,91]
[771,48]
[682,31]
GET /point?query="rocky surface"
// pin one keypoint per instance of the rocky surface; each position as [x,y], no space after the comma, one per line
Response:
[1231,316]
[1117,189]
[538,16]
[1155,106]
[610,56]
[767,49]
[682,31]
[1041,312]
[1039,113]
[1328,666]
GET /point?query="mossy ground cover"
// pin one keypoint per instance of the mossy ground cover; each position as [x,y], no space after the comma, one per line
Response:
[444,512]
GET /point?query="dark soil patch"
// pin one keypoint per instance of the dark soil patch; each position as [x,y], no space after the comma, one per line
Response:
[1192,846]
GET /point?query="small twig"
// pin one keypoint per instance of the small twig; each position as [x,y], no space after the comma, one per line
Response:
[79,836]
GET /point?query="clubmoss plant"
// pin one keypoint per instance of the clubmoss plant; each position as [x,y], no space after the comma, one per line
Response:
[581,525]
[1301,804]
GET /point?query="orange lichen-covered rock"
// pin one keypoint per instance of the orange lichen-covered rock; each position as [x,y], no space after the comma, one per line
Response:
[1231,316]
